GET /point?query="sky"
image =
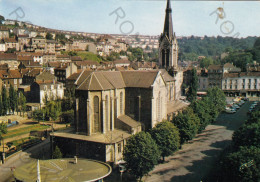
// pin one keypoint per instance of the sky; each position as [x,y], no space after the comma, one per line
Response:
[145,17]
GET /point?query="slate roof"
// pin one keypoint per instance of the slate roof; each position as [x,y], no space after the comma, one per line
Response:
[102,81]
[139,79]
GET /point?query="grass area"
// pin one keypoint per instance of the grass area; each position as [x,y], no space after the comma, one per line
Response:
[88,56]
[25,130]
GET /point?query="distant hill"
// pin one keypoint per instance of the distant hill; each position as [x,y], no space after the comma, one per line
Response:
[191,48]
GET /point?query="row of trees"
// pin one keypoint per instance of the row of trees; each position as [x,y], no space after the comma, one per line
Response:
[144,150]
[241,162]
[11,101]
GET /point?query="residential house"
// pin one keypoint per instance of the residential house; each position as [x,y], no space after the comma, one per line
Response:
[10,59]
[64,71]
[4,32]
[11,43]
[42,90]
[122,63]
[10,77]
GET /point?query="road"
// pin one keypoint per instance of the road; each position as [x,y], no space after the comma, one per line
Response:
[36,152]
[196,158]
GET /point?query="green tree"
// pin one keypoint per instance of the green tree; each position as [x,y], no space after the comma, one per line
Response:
[57,153]
[188,128]
[192,92]
[204,63]
[5,101]
[1,19]
[218,99]
[202,109]
[241,166]
[1,106]
[53,110]
[247,135]
[141,154]
[39,115]
[12,98]
[68,116]
[137,53]
[21,102]
[3,130]
[167,137]
[49,36]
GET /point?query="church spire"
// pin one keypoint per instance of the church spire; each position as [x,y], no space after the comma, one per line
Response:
[168,28]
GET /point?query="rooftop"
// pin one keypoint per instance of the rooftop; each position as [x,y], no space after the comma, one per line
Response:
[117,135]
[63,170]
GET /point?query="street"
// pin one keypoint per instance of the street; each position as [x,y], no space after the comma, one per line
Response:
[198,157]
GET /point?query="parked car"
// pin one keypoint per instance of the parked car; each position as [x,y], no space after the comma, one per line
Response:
[231,111]
[236,106]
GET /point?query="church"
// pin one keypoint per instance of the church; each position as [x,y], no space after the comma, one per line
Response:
[111,106]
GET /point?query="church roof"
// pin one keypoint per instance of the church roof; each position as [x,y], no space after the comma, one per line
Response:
[105,80]
[139,79]
[102,81]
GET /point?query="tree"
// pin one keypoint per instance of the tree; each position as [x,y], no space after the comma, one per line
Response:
[192,92]
[3,130]
[1,19]
[53,109]
[12,98]
[39,115]
[167,137]
[141,154]
[49,36]
[5,101]
[242,165]
[204,63]
[21,102]
[187,127]
[218,98]
[247,135]
[201,108]
[68,116]
[57,153]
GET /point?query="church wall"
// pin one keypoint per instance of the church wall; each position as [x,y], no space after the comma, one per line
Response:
[132,105]
[178,84]
[159,101]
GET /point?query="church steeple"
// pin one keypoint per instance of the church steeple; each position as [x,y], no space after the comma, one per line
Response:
[168,28]
[168,46]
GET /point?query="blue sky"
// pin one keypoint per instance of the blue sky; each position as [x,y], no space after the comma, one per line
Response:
[144,17]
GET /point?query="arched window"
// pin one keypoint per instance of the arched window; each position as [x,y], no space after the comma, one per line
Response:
[158,107]
[97,124]
[121,103]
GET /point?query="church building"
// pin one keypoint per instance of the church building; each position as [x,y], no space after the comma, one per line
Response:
[111,106]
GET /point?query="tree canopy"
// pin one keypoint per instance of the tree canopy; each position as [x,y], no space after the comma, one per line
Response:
[166,136]
[141,154]
[193,87]
[187,126]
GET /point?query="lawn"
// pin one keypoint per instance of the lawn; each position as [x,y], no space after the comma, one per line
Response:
[25,130]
